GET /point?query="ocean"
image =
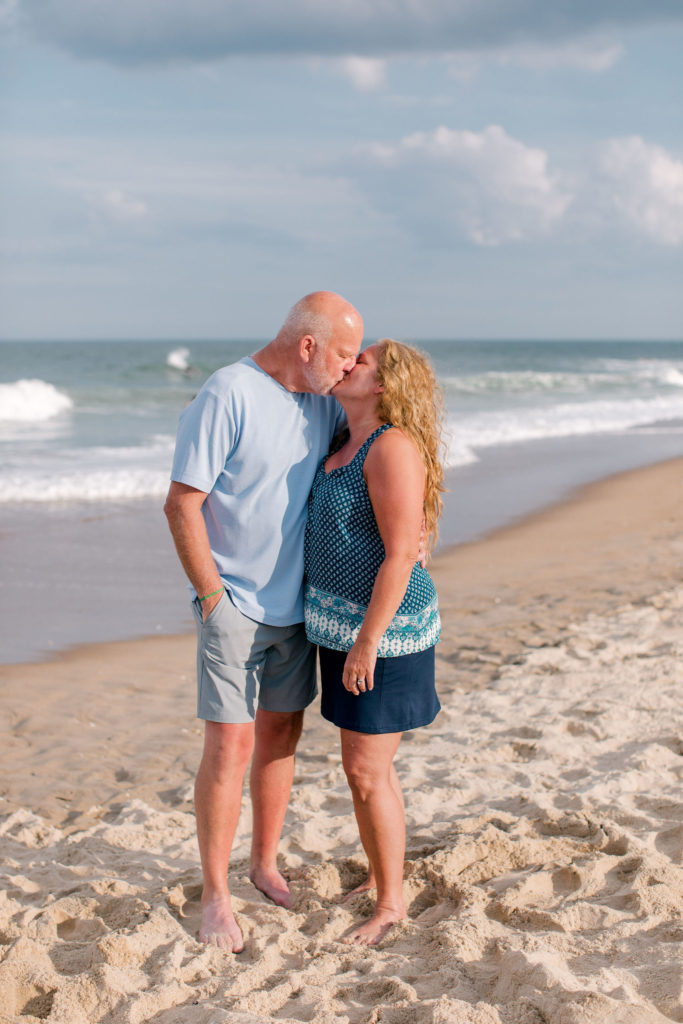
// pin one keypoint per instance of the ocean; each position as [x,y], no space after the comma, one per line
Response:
[86,440]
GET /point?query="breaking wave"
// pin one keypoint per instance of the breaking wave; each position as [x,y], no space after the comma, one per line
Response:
[32,401]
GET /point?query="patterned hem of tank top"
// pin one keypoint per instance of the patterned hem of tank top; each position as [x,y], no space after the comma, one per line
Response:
[335,622]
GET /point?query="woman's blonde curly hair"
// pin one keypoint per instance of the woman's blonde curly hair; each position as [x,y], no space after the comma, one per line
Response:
[412,401]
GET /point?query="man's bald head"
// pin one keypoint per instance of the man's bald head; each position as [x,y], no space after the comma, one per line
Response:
[319,314]
[316,345]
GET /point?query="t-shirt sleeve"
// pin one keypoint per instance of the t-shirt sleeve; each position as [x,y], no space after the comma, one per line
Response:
[205,438]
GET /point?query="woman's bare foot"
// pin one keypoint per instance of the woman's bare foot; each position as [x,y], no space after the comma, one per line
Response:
[218,925]
[367,886]
[273,885]
[374,930]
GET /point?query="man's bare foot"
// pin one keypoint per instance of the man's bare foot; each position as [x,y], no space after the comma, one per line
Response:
[273,885]
[218,925]
[367,886]
[374,930]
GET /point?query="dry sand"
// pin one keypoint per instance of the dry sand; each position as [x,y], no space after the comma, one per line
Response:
[544,807]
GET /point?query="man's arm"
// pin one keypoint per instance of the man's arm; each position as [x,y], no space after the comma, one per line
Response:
[183,510]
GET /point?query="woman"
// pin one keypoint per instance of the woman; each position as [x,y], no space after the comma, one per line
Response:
[369,606]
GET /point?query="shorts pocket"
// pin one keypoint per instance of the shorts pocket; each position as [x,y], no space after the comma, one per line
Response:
[215,611]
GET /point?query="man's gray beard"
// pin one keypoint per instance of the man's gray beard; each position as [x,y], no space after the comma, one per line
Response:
[317,378]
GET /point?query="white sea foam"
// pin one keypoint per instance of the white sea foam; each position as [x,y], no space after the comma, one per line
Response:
[90,474]
[467,433]
[652,371]
[521,382]
[97,486]
[45,454]
[178,359]
[119,473]
[672,377]
[31,401]
[607,375]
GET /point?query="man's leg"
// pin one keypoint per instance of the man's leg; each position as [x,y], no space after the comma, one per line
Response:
[272,771]
[218,796]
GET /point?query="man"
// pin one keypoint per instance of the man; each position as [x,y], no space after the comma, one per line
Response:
[247,450]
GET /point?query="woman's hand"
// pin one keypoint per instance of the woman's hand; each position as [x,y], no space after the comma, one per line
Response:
[359,667]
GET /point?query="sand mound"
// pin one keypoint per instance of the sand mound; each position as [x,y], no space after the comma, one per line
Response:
[543,874]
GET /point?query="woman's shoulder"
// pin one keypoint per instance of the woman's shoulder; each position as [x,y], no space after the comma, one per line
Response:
[393,440]
[392,448]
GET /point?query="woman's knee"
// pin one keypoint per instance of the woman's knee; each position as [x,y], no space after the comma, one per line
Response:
[367,760]
[364,777]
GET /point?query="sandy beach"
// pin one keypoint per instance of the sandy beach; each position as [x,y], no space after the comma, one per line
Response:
[544,872]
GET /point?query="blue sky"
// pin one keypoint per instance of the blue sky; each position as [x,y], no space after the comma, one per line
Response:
[504,168]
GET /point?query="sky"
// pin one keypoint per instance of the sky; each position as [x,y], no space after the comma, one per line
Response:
[455,168]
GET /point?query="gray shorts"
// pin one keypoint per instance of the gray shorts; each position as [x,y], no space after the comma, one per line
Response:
[242,665]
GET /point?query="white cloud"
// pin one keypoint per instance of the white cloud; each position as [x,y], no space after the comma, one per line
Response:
[130,31]
[364,73]
[494,189]
[213,194]
[487,185]
[643,184]
[583,55]
[590,54]
[465,66]
[119,207]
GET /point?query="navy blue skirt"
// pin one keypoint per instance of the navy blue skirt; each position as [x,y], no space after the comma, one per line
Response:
[403,696]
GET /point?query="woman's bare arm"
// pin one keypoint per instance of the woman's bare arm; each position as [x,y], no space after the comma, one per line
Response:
[395,477]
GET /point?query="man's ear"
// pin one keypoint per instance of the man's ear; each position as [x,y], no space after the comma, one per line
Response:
[307,347]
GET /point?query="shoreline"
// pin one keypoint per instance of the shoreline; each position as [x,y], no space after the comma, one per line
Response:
[516,588]
[543,876]
[449,555]
[106,571]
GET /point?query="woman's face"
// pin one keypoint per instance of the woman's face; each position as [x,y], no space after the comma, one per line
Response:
[361,381]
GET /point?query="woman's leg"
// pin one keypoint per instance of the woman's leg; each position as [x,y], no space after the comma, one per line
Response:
[370,882]
[378,803]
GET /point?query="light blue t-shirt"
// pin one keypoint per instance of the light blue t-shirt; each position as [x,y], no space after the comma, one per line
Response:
[254,448]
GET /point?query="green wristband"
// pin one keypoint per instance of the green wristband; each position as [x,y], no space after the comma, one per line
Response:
[212,594]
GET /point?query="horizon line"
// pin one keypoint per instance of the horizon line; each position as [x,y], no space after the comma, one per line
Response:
[408,339]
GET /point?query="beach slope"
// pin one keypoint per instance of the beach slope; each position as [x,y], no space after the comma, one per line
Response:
[544,870]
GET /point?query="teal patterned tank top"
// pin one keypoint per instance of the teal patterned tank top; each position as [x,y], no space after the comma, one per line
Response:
[342,554]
